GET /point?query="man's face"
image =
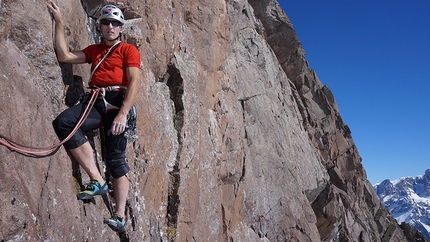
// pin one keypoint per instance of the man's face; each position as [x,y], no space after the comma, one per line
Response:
[110,28]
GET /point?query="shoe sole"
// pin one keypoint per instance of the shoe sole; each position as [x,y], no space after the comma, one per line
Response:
[84,196]
[115,226]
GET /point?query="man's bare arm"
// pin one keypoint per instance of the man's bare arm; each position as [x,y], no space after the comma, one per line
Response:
[63,53]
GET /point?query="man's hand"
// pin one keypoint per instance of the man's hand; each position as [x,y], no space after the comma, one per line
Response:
[62,49]
[118,124]
[55,10]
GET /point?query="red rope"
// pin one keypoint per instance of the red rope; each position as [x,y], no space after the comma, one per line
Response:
[41,152]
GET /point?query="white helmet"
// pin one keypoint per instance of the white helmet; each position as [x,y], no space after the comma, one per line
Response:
[111,12]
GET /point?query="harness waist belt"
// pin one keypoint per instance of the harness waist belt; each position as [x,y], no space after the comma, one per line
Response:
[114,88]
[103,90]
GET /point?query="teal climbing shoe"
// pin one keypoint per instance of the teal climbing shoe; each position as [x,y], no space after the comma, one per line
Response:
[94,188]
[116,223]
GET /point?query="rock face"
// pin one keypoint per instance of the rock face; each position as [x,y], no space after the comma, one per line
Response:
[238,138]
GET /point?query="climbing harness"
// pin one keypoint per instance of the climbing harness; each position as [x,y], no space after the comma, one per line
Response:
[130,129]
[102,95]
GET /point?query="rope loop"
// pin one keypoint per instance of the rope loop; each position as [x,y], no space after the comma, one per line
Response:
[46,151]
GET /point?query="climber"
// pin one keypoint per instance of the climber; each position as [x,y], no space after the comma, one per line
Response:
[116,69]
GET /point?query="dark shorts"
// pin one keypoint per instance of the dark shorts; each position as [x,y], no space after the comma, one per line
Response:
[115,145]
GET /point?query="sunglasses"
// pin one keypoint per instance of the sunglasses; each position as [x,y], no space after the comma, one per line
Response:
[113,22]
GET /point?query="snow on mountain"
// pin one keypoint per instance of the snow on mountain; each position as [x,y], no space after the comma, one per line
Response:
[408,200]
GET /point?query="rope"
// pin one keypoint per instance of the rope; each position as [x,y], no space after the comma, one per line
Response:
[42,152]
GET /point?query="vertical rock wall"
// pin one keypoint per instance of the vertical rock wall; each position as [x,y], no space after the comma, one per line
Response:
[238,138]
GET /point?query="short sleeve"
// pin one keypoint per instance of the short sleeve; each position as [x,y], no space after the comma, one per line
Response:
[87,51]
[133,57]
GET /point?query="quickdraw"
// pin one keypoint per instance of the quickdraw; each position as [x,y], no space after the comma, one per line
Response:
[130,129]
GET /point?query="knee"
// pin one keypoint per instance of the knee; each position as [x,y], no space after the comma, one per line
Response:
[56,124]
[59,123]
[62,125]
[118,168]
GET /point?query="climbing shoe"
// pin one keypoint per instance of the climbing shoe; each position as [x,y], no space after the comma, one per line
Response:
[92,189]
[116,223]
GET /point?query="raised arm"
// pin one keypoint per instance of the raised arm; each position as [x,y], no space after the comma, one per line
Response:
[63,53]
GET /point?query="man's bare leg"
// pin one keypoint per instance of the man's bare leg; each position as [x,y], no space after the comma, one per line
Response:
[120,189]
[84,155]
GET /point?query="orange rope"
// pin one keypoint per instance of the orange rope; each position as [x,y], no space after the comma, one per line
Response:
[41,152]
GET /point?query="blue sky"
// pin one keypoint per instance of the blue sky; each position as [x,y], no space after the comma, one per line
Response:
[375,58]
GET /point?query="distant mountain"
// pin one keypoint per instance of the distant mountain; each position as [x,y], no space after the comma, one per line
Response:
[408,200]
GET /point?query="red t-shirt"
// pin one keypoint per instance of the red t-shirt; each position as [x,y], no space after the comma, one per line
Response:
[112,71]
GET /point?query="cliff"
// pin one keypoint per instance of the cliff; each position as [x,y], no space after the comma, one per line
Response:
[238,138]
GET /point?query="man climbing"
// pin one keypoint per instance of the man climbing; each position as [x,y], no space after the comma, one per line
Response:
[116,69]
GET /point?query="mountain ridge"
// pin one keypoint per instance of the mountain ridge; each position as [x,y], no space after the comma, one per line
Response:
[408,200]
